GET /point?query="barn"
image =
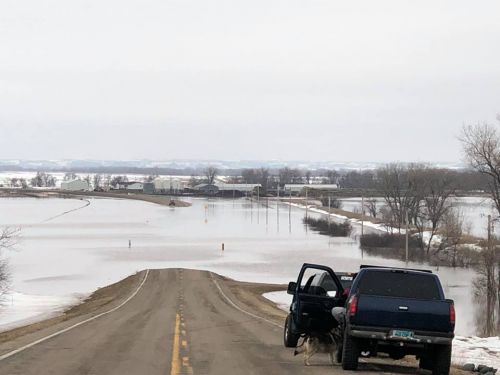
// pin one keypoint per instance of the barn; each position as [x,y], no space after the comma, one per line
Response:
[75,185]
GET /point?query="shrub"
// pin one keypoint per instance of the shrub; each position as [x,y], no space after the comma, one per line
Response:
[389,240]
[330,229]
[334,202]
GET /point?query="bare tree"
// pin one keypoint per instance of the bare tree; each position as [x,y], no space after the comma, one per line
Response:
[68,176]
[193,181]
[87,179]
[8,238]
[453,229]
[289,176]
[437,191]
[332,176]
[371,207]
[210,174]
[308,177]
[116,180]
[401,187]
[97,181]
[485,287]
[481,146]
[43,179]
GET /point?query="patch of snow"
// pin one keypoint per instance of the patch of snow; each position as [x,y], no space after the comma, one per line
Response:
[477,350]
[281,298]
[436,239]
[18,309]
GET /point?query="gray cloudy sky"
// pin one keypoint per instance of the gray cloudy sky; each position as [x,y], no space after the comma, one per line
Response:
[260,79]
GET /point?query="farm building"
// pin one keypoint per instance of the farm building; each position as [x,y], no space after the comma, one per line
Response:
[129,185]
[226,190]
[75,185]
[148,188]
[168,185]
[298,188]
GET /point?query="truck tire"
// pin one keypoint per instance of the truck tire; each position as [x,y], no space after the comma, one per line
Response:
[442,360]
[425,362]
[350,353]
[338,354]
[290,338]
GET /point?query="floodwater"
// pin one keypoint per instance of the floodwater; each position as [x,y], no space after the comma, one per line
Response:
[68,246]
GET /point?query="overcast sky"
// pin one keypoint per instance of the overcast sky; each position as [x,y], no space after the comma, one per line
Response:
[257,79]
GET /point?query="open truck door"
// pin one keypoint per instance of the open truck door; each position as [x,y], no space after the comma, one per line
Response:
[316,292]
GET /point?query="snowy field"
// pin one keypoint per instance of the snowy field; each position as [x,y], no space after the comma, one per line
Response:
[61,258]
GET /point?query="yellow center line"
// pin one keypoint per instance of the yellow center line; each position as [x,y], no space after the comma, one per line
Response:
[175,364]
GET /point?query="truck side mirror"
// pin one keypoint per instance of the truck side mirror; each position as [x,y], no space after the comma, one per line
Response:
[291,287]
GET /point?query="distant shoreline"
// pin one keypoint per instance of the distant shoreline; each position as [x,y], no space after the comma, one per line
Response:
[163,200]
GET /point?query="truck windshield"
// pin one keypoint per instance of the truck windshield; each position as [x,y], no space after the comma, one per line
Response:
[399,284]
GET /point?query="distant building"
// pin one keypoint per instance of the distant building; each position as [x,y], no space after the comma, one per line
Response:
[75,185]
[297,188]
[136,186]
[221,189]
[148,188]
[129,185]
[168,185]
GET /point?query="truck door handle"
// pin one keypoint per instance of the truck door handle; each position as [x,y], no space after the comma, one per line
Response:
[403,308]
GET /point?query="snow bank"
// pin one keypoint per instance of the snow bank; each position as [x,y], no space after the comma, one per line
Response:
[366,223]
[477,350]
[480,351]
[18,309]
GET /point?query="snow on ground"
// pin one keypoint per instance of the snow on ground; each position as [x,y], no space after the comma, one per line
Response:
[436,239]
[366,223]
[19,309]
[281,299]
[477,350]
[480,351]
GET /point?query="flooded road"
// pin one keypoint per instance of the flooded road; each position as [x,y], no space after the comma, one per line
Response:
[89,247]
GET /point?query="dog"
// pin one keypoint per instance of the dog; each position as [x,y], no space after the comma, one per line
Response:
[317,343]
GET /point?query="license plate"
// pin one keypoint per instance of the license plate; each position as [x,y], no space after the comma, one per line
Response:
[402,334]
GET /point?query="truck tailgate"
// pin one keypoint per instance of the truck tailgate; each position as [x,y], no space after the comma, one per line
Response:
[411,314]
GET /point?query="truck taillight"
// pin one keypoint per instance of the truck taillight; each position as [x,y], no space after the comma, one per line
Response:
[353,305]
[452,314]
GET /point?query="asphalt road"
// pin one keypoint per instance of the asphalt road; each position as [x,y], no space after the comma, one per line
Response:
[179,322]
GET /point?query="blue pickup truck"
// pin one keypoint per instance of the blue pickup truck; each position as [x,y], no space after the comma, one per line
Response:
[394,311]
[399,312]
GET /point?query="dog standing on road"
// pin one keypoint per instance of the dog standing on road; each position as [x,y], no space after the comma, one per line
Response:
[317,343]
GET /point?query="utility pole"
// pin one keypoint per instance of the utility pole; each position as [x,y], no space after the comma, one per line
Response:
[329,205]
[406,232]
[278,207]
[362,215]
[267,210]
[307,206]
[489,323]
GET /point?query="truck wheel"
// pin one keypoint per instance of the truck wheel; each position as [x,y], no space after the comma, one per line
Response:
[425,363]
[289,337]
[350,353]
[442,360]
[338,354]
